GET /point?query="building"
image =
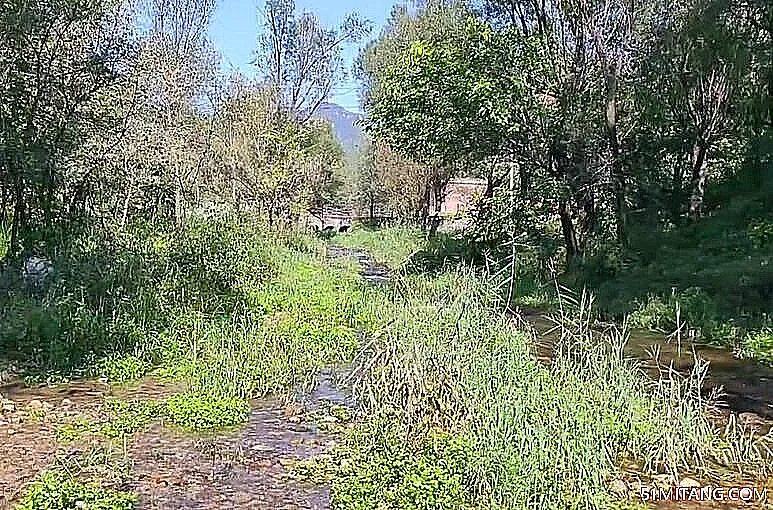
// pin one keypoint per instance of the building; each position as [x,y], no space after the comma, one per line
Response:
[460,195]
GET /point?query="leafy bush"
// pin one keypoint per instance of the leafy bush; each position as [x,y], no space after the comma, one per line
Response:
[758,344]
[444,359]
[123,369]
[55,491]
[203,413]
[74,430]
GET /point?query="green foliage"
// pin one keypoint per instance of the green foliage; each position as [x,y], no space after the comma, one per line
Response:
[118,303]
[469,89]
[5,240]
[203,413]
[127,418]
[392,246]
[758,344]
[123,369]
[444,359]
[56,491]
[74,430]
[377,467]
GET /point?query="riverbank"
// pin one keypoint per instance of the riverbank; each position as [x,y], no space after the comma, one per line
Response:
[444,404]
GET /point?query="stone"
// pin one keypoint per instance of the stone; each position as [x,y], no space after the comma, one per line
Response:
[66,403]
[37,270]
[35,404]
[11,432]
[8,406]
[663,481]
[618,487]
[751,420]
[690,482]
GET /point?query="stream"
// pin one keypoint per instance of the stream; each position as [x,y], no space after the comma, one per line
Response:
[744,384]
[251,467]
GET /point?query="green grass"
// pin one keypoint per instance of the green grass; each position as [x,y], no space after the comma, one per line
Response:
[391,246]
[228,307]
[202,413]
[127,418]
[457,412]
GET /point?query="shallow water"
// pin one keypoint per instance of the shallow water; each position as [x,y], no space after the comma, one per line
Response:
[371,271]
[246,468]
[744,385]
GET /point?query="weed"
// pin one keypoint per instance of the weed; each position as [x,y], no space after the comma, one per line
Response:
[128,418]
[200,413]
[758,344]
[392,246]
[55,491]
[74,430]
[378,466]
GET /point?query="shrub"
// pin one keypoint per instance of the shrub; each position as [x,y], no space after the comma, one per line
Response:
[379,467]
[128,418]
[758,344]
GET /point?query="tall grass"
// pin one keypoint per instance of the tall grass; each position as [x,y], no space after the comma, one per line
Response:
[444,361]
[229,306]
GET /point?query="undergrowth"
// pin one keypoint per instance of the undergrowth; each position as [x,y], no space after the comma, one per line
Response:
[443,362]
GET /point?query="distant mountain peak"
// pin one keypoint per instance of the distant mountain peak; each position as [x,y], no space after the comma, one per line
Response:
[344,124]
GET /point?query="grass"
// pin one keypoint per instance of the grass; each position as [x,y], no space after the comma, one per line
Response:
[391,246]
[444,363]
[455,411]
[544,437]
[231,310]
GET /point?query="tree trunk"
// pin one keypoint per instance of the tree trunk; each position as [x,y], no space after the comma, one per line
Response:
[617,177]
[18,216]
[178,206]
[570,235]
[699,178]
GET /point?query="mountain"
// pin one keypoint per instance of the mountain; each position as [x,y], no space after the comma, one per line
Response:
[344,124]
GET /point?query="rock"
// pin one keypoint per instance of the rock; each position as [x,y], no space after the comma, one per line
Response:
[35,404]
[66,403]
[8,406]
[293,409]
[690,482]
[11,432]
[48,406]
[751,420]
[618,487]
[663,481]
[37,271]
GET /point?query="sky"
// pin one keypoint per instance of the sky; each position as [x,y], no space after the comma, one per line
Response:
[237,23]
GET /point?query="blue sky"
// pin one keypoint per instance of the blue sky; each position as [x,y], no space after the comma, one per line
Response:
[237,24]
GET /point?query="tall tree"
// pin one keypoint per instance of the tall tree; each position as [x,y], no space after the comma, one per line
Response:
[56,59]
[301,58]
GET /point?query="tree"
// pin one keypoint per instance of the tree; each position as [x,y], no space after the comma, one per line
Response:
[271,162]
[56,59]
[301,59]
